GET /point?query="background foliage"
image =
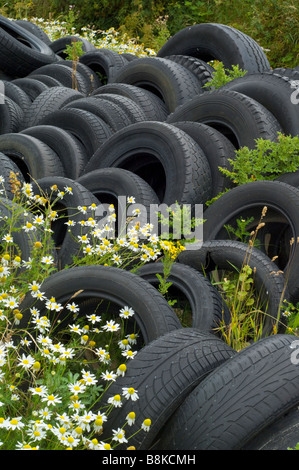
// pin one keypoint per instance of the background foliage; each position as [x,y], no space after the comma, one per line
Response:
[274,24]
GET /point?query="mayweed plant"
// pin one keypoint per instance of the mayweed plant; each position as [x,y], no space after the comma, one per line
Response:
[109,39]
[53,380]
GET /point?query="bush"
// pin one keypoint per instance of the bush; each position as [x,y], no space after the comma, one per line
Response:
[272,23]
[266,161]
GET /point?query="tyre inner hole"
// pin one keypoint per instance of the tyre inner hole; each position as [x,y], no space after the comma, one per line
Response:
[226,131]
[149,169]
[18,159]
[274,238]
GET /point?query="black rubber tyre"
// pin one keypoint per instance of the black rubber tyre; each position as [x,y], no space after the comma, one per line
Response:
[64,75]
[35,30]
[59,45]
[248,200]
[66,242]
[211,41]
[104,62]
[90,130]
[280,435]
[293,74]
[47,102]
[7,167]
[164,372]
[274,93]
[164,156]
[153,315]
[290,178]
[152,105]
[217,148]
[18,95]
[5,76]
[49,81]
[172,82]
[21,52]
[237,400]
[188,284]
[34,158]
[129,56]
[33,88]
[67,148]
[268,281]
[110,184]
[202,71]
[11,115]
[112,114]
[240,118]
[133,110]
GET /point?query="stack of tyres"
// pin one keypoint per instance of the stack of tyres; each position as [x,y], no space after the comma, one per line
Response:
[112,125]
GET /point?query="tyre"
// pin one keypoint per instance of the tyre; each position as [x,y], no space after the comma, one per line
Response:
[47,80]
[129,56]
[153,315]
[18,95]
[21,52]
[59,45]
[47,102]
[171,82]
[268,281]
[33,88]
[152,105]
[290,178]
[217,148]
[108,185]
[67,148]
[202,71]
[11,116]
[164,372]
[274,93]
[112,114]
[34,158]
[280,435]
[64,75]
[90,130]
[240,118]
[167,158]
[238,400]
[5,76]
[7,168]
[247,201]
[35,30]
[293,74]
[133,110]
[66,241]
[192,290]
[105,63]
[211,41]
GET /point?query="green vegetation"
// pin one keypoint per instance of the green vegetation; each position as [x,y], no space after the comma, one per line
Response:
[54,379]
[273,24]
[266,161]
[221,76]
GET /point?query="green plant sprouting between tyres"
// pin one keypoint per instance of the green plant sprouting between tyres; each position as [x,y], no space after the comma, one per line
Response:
[247,310]
[266,161]
[222,75]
